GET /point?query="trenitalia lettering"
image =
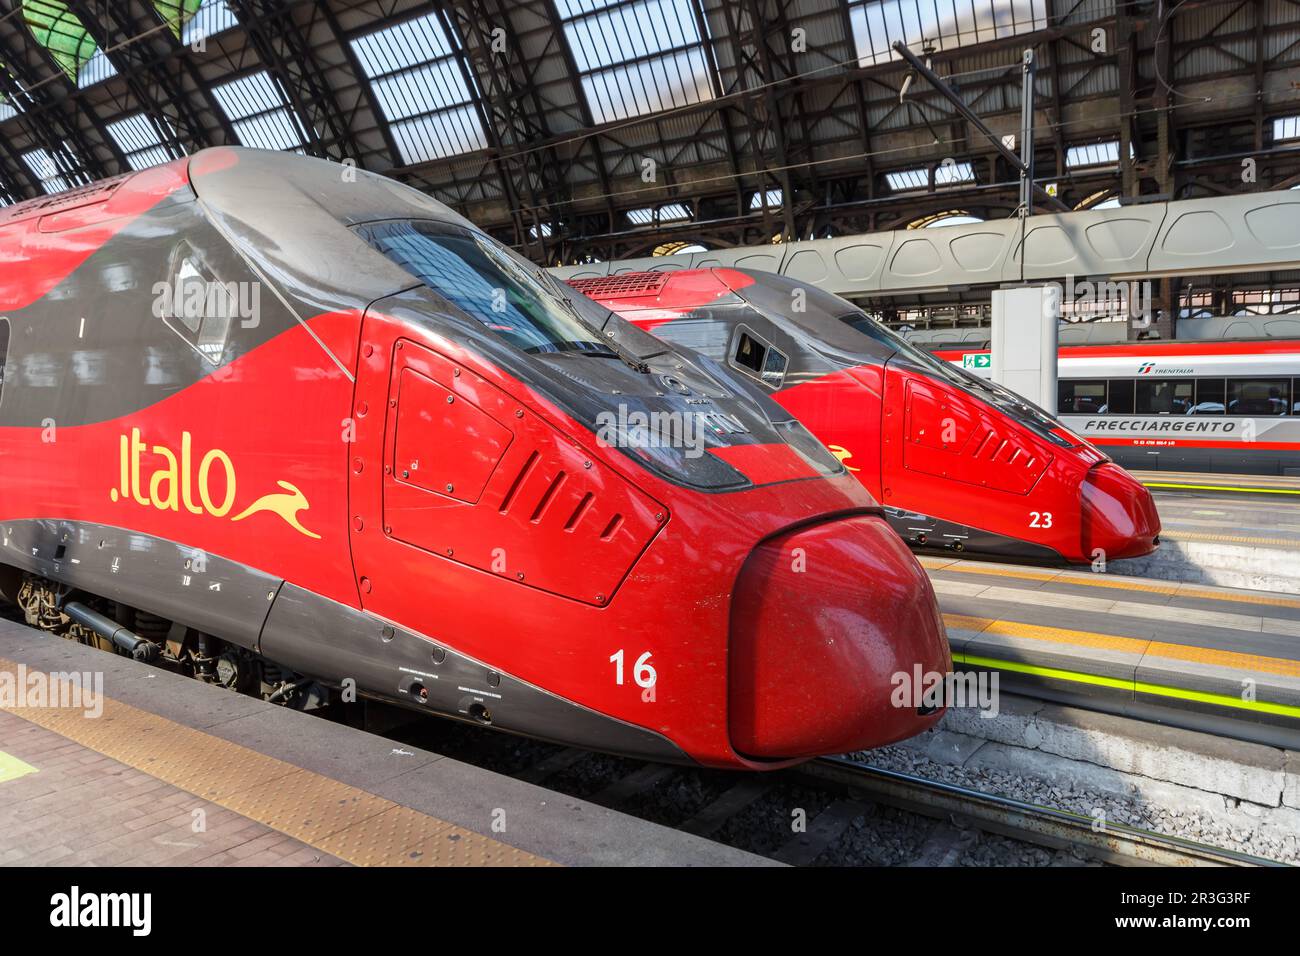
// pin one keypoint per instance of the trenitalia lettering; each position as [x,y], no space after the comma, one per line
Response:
[176,484]
[1172,425]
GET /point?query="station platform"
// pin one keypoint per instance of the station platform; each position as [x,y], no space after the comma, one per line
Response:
[1214,659]
[159,769]
[1239,531]
[1202,483]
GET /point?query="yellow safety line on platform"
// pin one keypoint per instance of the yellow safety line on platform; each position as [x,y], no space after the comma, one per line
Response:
[1039,632]
[1141,687]
[1109,581]
[335,818]
[1243,490]
[11,768]
[1291,543]
[1237,660]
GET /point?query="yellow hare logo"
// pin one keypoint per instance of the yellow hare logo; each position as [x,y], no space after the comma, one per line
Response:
[177,485]
[843,454]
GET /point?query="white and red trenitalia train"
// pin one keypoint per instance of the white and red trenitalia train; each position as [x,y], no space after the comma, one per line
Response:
[1229,407]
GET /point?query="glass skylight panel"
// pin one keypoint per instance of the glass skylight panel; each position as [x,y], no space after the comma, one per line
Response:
[194,20]
[259,113]
[55,177]
[671,212]
[941,24]
[904,179]
[1286,127]
[957,219]
[774,199]
[418,81]
[1092,154]
[136,137]
[636,57]
[950,174]
[95,70]
[7,110]
[67,40]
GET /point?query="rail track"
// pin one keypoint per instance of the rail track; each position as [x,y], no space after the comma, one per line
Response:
[843,792]
[1106,842]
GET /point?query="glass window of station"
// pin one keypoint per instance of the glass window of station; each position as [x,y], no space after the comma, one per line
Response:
[1244,397]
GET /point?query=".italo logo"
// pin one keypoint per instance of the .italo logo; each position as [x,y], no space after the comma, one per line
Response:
[174,483]
[98,910]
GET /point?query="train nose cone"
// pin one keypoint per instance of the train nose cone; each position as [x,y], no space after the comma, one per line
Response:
[1119,515]
[831,624]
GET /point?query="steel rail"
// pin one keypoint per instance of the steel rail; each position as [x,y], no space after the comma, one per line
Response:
[1116,843]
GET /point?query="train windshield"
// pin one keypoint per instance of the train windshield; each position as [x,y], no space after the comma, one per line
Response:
[488,282]
[861,322]
[994,394]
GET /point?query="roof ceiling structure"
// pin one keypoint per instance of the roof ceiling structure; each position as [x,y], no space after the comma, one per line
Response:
[579,129]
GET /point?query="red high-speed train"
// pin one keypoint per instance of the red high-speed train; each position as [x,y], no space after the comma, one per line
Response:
[958,462]
[292,428]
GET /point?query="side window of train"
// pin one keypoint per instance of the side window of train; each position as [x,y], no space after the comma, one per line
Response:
[1119,396]
[1165,396]
[758,359]
[1258,396]
[196,305]
[4,354]
[1081,396]
[1210,397]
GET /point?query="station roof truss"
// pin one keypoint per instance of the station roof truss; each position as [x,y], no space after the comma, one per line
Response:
[581,130]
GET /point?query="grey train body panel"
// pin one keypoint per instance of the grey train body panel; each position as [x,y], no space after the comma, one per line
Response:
[203,591]
[927,533]
[332,642]
[311,634]
[73,362]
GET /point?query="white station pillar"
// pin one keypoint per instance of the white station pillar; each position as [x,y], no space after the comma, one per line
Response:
[1025,338]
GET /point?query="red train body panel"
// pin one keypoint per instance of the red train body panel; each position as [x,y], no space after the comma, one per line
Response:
[1231,407]
[957,462]
[378,478]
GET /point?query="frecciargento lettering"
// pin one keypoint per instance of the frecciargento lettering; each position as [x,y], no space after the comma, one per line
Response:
[1162,425]
[177,484]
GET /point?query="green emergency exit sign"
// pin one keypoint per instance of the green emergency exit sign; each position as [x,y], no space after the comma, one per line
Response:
[977,360]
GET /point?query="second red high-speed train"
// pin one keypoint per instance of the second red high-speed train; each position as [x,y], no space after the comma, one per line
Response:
[293,432]
[958,462]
